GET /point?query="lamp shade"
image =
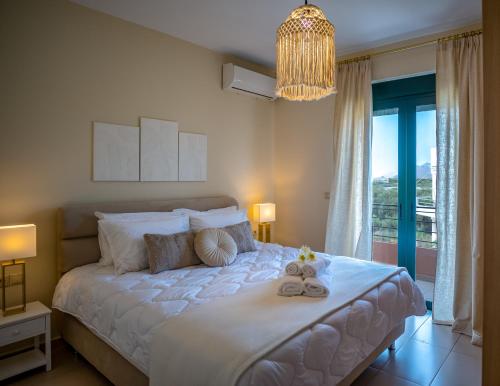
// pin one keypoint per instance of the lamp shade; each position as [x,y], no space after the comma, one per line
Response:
[264,212]
[17,241]
[305,55]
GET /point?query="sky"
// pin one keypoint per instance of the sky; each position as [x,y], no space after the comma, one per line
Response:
[385,142]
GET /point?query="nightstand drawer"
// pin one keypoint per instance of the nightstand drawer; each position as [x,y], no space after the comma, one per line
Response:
[22,330]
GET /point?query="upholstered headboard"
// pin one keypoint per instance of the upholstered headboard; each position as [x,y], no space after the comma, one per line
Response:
[77,224]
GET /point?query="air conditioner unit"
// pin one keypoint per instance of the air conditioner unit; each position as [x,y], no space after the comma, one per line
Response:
[243,81]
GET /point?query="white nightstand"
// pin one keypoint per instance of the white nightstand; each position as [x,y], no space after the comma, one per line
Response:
[30,324]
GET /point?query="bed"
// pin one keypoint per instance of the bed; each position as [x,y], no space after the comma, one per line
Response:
[112,320]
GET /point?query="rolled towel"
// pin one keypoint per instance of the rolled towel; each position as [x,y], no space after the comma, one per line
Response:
[317,287]
[291,286]
[294,268]
[314,268]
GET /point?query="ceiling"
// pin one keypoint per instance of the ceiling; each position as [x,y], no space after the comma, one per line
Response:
[246,28]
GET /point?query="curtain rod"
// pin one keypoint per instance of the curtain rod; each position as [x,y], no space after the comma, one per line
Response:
[413,46]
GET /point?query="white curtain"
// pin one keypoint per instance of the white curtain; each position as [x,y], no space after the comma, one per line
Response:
[458,287]
[349,217]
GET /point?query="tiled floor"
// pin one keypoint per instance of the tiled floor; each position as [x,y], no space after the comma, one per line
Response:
[425,354]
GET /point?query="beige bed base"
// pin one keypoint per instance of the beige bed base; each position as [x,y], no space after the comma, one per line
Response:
[122,373]
[101,355]
[77,234]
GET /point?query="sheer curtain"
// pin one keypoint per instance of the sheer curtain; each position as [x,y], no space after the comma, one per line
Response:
[458,289]
[349,217]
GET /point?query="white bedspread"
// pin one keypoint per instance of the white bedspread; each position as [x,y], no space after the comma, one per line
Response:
[248,325]
[125,311]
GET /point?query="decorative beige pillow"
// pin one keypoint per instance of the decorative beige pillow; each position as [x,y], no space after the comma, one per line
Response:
[215,247]
[242,236]
[170,251]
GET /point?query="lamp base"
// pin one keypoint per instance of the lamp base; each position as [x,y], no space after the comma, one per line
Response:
[264,233]
[17,309]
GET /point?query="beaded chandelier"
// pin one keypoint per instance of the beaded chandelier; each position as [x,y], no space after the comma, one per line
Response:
[305,55]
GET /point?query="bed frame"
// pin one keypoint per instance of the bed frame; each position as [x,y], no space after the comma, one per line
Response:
[78,245]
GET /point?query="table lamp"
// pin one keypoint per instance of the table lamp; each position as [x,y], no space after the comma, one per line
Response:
[16,243]
[264,214]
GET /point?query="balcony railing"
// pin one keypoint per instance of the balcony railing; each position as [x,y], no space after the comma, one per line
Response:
[385,225]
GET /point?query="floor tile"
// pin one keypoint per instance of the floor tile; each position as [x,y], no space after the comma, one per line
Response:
[459,370]
[403,339]
[383,358]
[365,377]
[412,324]
[417,361]
[436,335]
[386,379]
[464,346]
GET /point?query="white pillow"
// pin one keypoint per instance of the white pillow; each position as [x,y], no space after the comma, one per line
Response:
[126,240]
[106,258]
[210,211]
[216,220]
[135,216]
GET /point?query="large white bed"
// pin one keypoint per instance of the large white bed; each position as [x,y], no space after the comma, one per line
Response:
[128,311]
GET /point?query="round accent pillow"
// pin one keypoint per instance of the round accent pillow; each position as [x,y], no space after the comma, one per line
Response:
[215,247]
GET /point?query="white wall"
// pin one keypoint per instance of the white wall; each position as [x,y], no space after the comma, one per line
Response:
[417,61]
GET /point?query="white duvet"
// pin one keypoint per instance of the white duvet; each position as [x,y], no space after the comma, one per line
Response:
[126,310]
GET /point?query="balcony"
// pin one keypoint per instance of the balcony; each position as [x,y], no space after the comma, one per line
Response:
[385,242]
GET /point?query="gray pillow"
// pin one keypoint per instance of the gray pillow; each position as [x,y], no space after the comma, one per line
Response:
[242,235]
[170,251]
[215,247]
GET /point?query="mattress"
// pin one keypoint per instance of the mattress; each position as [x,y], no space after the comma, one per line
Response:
[126,310]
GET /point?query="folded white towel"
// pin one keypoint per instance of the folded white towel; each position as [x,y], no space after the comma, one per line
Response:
[317,287]
[294,268]
[291,286]
[314,268]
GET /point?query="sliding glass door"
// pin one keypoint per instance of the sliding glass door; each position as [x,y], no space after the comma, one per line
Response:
[404,177]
